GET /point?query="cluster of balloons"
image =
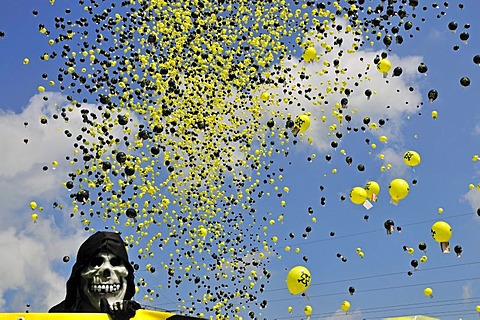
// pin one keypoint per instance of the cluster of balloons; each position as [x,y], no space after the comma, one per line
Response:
[189,114]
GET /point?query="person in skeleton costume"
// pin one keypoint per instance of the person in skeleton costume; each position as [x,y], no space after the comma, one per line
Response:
[102,279]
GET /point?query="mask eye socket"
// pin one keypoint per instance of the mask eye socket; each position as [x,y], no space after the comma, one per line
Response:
[96,262]
[115,261]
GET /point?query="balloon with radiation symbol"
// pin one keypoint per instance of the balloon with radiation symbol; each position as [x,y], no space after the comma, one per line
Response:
[442,232]
[358,195]
[298,279]
[411,158]
[345,306]
[373,189]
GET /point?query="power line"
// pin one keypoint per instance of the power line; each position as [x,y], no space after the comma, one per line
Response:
[384,275]
[380,289]
[374,231]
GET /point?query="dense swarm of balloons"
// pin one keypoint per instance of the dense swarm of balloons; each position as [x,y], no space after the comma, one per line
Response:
[182,113]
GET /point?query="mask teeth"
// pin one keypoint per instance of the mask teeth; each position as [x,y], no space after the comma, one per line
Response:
[104,288]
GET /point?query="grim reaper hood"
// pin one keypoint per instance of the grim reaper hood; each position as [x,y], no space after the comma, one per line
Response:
[107,241]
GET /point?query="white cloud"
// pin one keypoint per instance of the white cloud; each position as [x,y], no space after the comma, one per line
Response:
[473,198]
[393,158]
[391,98]
[31,252]
[27,269]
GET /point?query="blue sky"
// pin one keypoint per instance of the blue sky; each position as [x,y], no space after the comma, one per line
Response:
[32,252]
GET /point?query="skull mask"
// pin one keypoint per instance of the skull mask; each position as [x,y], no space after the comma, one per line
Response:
[104,277]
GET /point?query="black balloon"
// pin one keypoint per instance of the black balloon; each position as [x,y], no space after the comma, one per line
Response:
[422,68]
[414,263]
[397,71]
[476,59]
[465,82]
[452,26]
[432,95]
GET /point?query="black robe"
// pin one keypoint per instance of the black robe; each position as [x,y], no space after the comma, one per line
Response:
[107,241]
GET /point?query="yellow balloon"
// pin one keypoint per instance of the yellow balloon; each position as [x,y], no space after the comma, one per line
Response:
[33,205]
[265,96]
[398,189]
[309,54]
[202,232]
[384,66]
[477,308]
[441,231]
[290,309]
[302,122]
[307,310]
[383,139]
[34,217]
[298,279]
[345,306]
[434,114]
[411,158]
[373,189]
[428,292]
[358,195]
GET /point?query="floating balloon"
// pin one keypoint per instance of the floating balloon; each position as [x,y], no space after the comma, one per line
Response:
[265,96]
[373,189]
[458,250]
[309,54]
[389,226]
[308,311]
[368,93]
[298,280]
[411,158]
[452,26]
[465,82]
[345,306]
[432,95]
[476,59]
[464,36]
[397,72]
[34,217]
[428,292]
[351,290]
[442,232]
[33,205]
[301,123]
[398,190]
[422,68]
[434,114]
[358,195]
[414,263]
[384,66]
[422,246]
